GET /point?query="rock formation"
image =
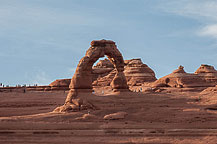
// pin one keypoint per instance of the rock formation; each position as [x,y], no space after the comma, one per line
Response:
[179,78]
[60,84]
[105,80]
[135,72]
[138,73]
[205,76]
[82,79]
[102,69]
[208,73]
[104,72]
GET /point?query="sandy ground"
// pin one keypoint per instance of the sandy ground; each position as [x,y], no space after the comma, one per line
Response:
[154,118]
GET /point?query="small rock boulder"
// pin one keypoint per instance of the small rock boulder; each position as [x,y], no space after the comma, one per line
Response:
[115,116]
[87,117]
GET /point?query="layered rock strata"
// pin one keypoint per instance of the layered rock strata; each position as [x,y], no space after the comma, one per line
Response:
[205,76]
[208,73]
[138,73]
[135,72]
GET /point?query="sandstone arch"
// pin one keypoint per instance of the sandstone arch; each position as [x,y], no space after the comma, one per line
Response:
[82,79]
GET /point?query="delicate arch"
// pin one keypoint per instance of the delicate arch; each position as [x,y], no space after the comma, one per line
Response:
[82,78]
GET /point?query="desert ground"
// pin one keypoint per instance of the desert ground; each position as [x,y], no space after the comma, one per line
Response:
[172,115]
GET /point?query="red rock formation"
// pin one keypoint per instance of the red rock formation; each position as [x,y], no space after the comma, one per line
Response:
[137,73]
[205,76]
[209,90]
[208,73]
[104,64]
[179,78]
[60,84]
[104,72]
[82,78]
[105,80]
[101,69]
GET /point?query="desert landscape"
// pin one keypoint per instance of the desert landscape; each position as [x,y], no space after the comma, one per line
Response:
[115,101]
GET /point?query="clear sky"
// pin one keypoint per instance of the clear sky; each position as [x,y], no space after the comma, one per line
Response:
[43,40]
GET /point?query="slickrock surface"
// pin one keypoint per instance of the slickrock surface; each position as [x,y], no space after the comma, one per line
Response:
[178,117]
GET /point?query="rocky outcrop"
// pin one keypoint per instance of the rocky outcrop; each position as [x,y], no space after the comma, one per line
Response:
[105,80]
[208,73]
[60,84]
[138,73]
[203,77]
[209,90]
[101,69]
[179,78]
[135,72]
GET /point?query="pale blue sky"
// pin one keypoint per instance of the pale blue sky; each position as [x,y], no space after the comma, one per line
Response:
[43,40]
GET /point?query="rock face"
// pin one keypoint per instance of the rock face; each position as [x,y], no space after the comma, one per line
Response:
[102,69]
[137,73]
[209,90]
[208,73]
[205,76]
